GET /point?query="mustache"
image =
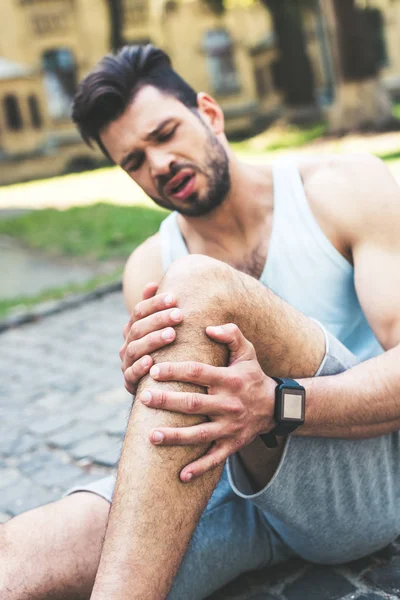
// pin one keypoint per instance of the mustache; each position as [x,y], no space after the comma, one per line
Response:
[163,180]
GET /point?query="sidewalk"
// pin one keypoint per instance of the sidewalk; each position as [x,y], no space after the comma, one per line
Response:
[63,415]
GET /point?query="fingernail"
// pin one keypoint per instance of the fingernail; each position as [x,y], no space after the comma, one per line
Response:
[188,476]
[218,330]
[175,314]
[168,334]
[154,371]
[158,436]
[168,299]
[145,362]
[146,397]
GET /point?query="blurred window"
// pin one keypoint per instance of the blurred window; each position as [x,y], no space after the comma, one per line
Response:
[34,111]
[218,47]
[12,112]
[60,81]
[136,11]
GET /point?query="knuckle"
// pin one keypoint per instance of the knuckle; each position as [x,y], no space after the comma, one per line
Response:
[238,442]
[215,462]
[176,436]
[195,369]
[131,350]
[192,403]
[203,436]
[137,311]
[235,382]
[161,398]
[134,333]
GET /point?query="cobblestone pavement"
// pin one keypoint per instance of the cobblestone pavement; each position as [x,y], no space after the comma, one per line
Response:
[63,415]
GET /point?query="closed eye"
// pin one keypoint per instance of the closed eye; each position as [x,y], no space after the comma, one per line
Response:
[137,163]
[163,137]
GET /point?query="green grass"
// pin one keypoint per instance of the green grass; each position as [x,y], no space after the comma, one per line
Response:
[26,302]
[396,110]
[101,231]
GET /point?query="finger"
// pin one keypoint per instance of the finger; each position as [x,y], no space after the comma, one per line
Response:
[147,307]
[190,403]
[214,458]
[133,374]
[190,372]
[146,345]
[149,290]
[205,433]
[230,334]
[151,305]
[165,318]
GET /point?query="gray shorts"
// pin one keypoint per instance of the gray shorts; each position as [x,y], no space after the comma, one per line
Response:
[330,501]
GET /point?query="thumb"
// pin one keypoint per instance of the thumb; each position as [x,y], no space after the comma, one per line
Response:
[230,334]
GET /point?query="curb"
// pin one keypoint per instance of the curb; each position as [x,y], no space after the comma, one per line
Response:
[52,307]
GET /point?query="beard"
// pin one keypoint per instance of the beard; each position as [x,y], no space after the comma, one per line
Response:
[216,172]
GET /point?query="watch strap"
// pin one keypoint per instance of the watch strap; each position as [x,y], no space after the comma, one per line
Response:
[269,438]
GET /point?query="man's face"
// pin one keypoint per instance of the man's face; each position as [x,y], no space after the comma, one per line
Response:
[170,152]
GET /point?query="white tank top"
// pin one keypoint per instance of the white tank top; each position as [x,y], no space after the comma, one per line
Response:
[302,267]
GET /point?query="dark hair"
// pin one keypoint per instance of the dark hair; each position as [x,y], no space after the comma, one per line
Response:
[104,94]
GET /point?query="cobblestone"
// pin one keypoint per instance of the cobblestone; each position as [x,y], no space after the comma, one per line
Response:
[63,418]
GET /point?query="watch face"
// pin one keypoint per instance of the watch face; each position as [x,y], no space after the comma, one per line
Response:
[292,405]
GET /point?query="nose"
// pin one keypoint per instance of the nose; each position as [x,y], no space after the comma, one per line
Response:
[160,162]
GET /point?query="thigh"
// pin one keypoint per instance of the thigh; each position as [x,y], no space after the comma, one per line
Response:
[54,551]
[232,537]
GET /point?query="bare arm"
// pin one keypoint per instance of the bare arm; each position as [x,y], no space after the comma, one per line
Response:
[365,401]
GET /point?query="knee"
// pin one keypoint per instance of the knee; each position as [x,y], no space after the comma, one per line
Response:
[198,276]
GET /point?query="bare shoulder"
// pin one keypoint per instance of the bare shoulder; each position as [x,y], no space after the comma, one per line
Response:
[143,266]
[345,192]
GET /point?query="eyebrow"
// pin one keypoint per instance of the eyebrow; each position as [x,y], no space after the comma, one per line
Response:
[150,136]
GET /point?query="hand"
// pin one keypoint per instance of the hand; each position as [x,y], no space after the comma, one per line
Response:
[239,403]
[149,328]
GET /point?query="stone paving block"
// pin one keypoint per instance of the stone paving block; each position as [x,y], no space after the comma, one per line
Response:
[386,577]
[9,477]
[109,457]
[117,425]
[37,498]
[8,440]
[73,434]
[26,443]
[19,497]
[59,475]
[319,583]
[91,446]
[4,517]
[96,413]
[116,396]
[51,424]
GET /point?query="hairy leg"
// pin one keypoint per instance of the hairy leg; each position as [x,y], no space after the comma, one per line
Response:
[154,514]
[53,552]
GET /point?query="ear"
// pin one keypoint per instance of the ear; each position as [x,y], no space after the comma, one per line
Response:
[211,112]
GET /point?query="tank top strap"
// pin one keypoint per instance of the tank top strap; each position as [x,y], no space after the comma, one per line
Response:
[291,208]
[172,243]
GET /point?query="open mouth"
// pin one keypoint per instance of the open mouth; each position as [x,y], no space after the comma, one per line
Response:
[181,186]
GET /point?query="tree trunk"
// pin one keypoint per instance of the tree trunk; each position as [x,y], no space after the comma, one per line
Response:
[362,102]
[294,74]
[116,12]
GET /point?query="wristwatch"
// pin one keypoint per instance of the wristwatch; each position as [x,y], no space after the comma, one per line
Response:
[290,401]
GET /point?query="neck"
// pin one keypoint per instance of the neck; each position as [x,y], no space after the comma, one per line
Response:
[246,206]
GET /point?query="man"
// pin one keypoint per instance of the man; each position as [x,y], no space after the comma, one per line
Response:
[247,254]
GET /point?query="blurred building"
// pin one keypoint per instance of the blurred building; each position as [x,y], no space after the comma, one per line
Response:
[47,46]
